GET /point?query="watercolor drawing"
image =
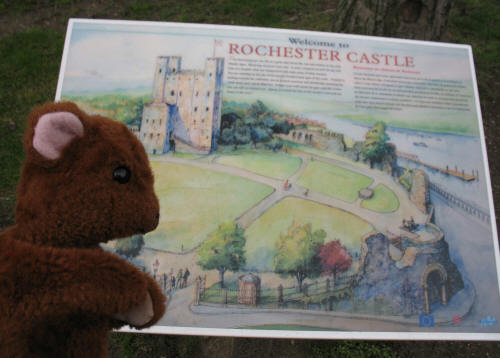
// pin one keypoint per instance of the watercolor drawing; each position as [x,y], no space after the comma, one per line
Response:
[302,210]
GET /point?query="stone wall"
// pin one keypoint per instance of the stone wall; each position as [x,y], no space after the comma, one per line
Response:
[403,289]
[419,191]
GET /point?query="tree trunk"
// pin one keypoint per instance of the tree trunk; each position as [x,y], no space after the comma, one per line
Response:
[221,277]
[411,19]
[300,279]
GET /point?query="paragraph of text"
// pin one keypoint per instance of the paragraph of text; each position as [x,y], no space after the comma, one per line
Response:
[247,75]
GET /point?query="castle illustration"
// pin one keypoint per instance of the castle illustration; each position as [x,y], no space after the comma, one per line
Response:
[185,112]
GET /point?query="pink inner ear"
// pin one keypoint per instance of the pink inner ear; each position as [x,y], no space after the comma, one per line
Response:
[54,131]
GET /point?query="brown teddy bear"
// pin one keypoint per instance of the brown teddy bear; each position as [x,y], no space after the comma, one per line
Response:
[86,180]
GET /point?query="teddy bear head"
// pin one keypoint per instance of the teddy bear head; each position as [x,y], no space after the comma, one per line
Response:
[86,180]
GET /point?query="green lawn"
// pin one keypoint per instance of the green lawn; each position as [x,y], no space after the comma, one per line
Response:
[264,232]
[193,202]
[334,181]
[382,201]
[270,164]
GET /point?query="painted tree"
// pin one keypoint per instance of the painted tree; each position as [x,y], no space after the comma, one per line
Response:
[275,144]
[223,250]
[257,109]
[297,252]
[236,135]
[228,120]
[335,258]
[227,136]
[256,125]
[241,135]
[260,134]
[129,247]
[406,179]
[375,144]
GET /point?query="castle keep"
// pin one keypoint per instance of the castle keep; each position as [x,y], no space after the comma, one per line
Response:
[186,107]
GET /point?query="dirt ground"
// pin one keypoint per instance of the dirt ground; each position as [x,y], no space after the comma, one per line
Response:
[54,15]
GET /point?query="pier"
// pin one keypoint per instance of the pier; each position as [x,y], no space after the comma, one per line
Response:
[469,208]
[456,173]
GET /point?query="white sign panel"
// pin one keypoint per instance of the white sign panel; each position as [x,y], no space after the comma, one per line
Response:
[311,184]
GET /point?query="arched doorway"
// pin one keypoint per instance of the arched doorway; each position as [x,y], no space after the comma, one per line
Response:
[434,280]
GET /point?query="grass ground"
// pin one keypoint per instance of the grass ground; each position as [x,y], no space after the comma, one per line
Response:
[382,201]
[270,164]
[28,76]
[335,181]
[31,40]
[187,155]
[263,233]
[194,202]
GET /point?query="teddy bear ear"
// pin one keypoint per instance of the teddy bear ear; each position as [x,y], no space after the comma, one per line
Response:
[54,131]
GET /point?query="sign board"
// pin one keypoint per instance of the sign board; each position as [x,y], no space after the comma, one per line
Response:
[311,185]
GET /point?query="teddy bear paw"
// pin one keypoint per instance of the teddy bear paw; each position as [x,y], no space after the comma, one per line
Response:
[139,315]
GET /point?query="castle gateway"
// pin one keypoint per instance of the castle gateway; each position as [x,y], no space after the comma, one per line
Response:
[186,107]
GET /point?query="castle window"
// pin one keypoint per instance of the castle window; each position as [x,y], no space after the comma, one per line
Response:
[144,135]
[147,120]
[196,109]
[210,74]
[160,122]
[153,122]
[173,70]
[151,136]
[158,135]
[206,109]
[160,70]
[196,94]
[203,120]
[180,93]
[208,93]
[172,92]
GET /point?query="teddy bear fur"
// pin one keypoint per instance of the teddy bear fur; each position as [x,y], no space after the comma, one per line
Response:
[60,293]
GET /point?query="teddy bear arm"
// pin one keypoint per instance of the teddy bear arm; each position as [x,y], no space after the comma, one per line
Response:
[91,281]
[158,303]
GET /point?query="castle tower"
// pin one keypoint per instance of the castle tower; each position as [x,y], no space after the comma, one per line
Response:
[215,65]
[165,80]
[186,107]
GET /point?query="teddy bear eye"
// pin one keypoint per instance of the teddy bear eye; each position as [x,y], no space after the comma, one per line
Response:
[121,175]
